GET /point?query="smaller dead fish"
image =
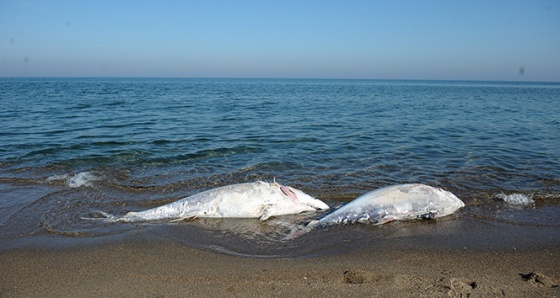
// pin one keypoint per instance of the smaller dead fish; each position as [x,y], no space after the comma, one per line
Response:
[397,202]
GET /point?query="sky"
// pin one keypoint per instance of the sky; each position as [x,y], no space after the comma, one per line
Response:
[510,40]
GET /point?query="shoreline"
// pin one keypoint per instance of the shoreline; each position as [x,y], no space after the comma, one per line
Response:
[136,266]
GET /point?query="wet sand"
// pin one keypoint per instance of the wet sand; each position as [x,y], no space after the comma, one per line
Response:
[161,268]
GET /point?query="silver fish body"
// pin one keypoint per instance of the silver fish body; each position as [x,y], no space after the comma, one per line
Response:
[397,202]
[245,200]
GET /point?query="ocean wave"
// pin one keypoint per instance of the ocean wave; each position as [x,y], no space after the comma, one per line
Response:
[517,199]
[77,180]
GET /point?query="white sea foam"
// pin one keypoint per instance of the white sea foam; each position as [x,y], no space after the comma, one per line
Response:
[517,199]
[77,180]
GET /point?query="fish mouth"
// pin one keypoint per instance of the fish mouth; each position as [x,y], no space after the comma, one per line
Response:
[312,203]
[319,205]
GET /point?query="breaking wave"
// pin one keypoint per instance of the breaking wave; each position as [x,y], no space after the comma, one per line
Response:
[77,180]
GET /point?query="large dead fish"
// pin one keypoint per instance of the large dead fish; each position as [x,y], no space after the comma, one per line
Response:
[397,202]
[246,200]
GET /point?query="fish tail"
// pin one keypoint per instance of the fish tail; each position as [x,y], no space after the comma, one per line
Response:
[313,224]
[302,229]
[106,217]
[297,231]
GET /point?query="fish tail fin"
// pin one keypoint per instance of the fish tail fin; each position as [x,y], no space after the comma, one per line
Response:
[313,224]
[297,231]
[106,217]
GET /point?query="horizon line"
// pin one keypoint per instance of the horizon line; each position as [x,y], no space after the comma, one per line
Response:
[270,78]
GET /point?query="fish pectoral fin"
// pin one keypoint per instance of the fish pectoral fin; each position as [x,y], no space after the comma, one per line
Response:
[267,212]
[384,220]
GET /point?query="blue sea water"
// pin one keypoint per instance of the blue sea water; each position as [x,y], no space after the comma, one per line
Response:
[70,146]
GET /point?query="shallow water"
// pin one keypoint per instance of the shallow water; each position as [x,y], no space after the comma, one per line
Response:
[73,146]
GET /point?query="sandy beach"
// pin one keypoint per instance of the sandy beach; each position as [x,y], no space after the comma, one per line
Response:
[150,268]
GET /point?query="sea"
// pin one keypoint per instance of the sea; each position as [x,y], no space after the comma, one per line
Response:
[70,147]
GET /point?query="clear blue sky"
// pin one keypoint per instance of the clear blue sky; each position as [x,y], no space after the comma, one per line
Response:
[464,40]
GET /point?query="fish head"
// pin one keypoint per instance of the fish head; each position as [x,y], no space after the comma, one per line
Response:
[449,203]
[302,199]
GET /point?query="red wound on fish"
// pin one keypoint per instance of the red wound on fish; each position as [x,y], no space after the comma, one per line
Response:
[287,191]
